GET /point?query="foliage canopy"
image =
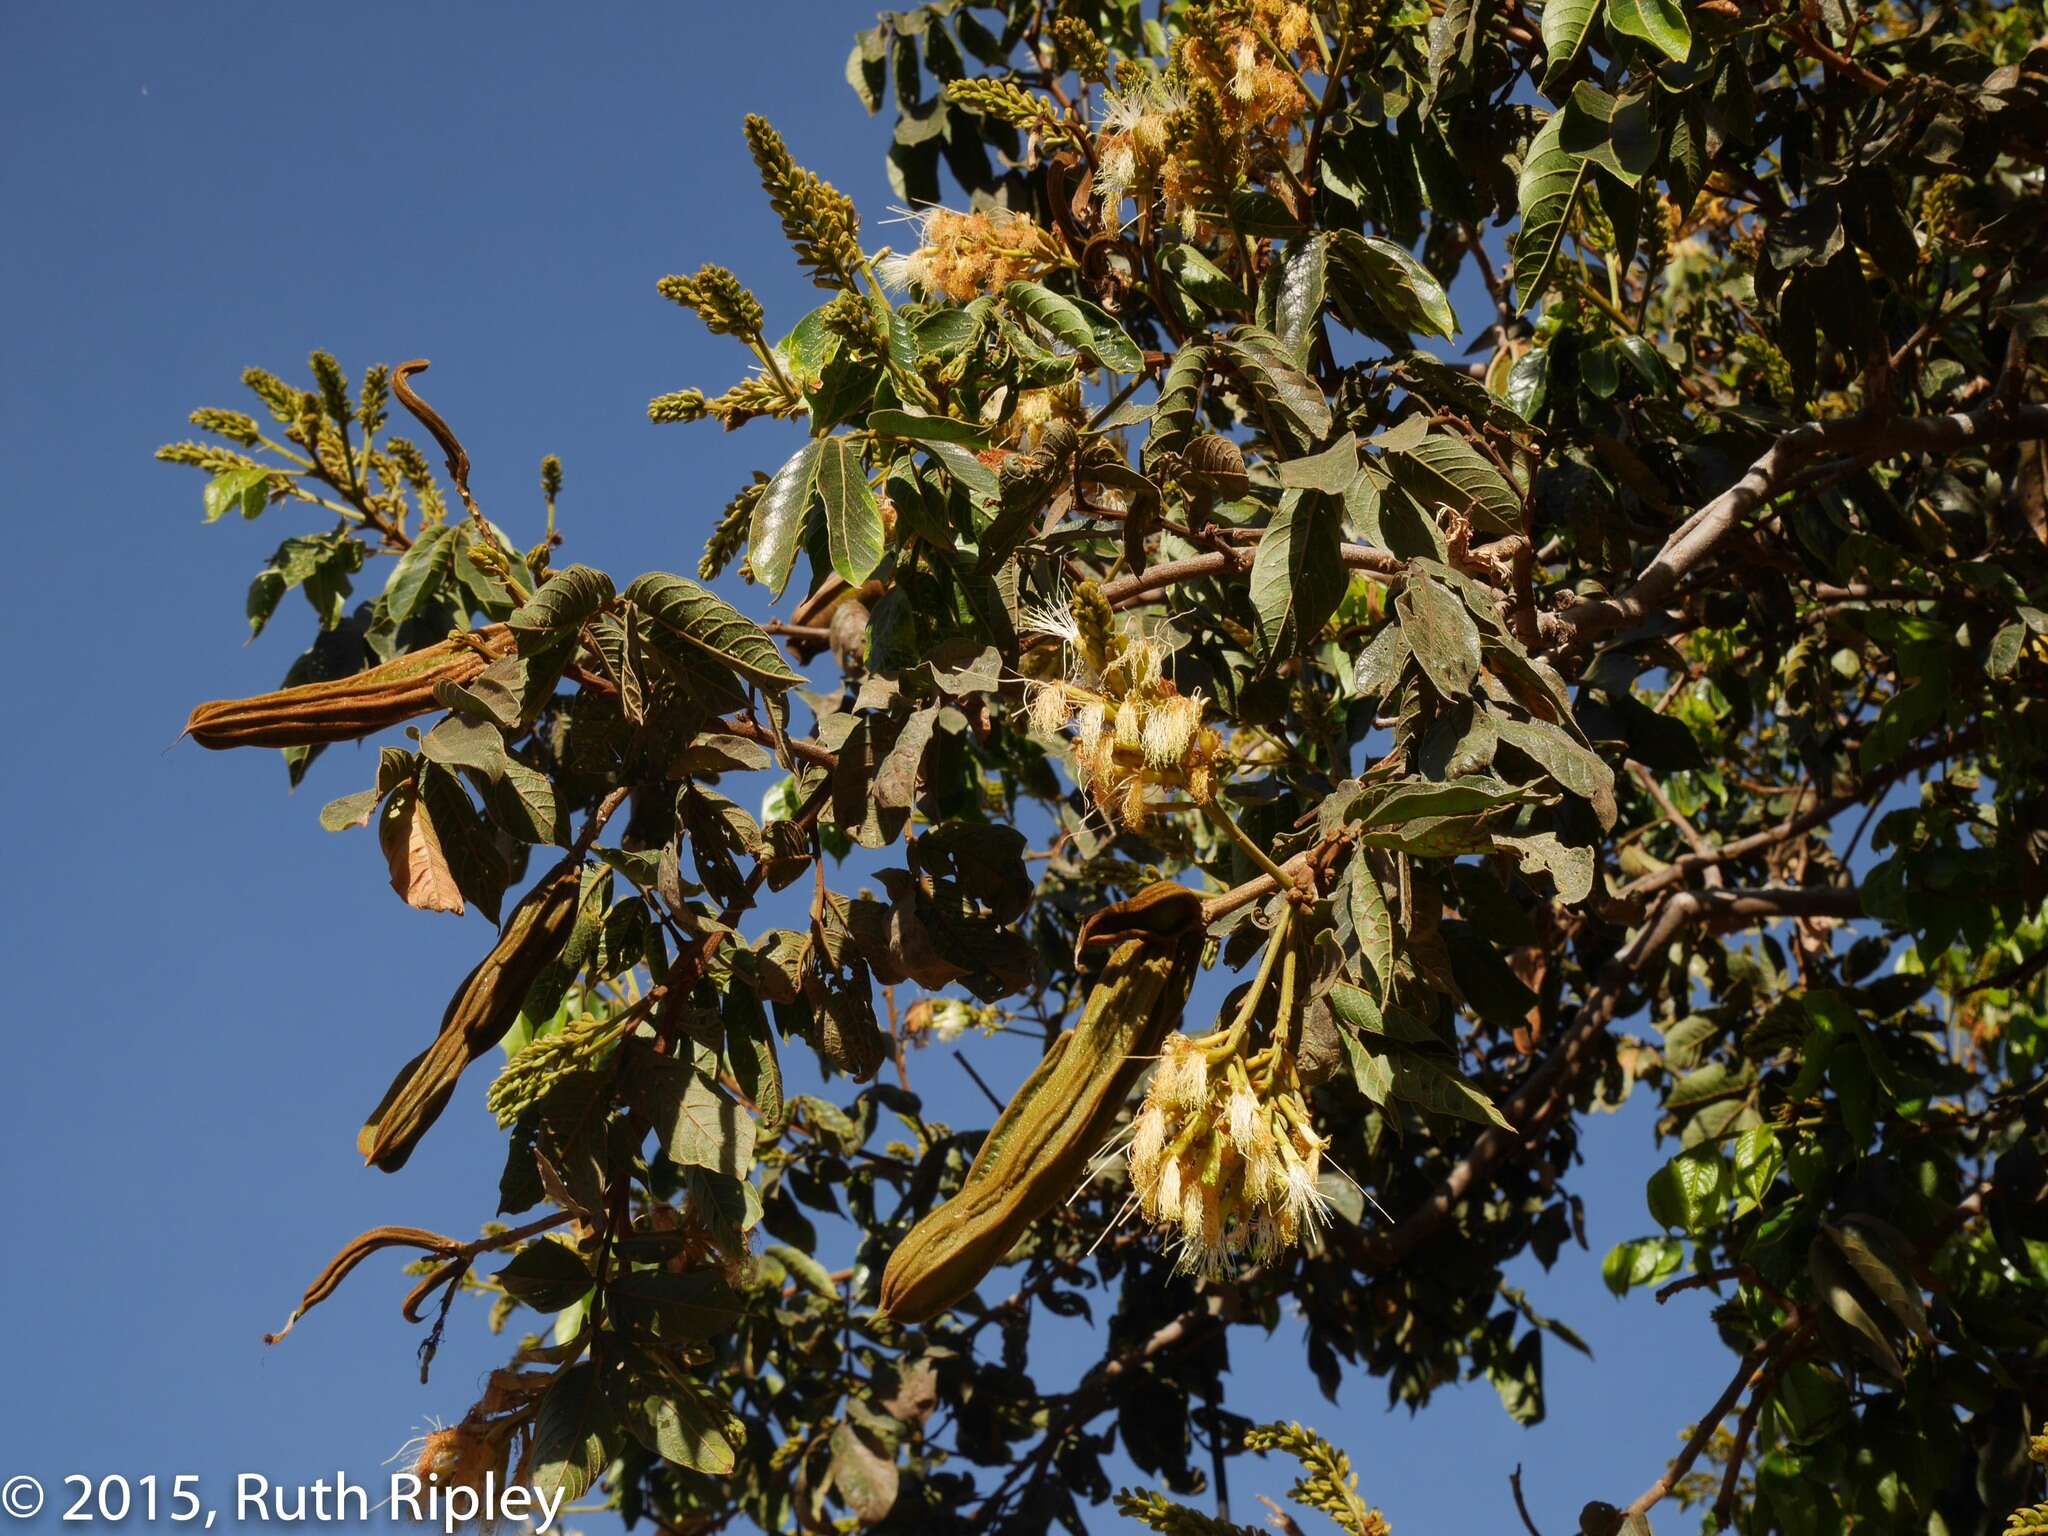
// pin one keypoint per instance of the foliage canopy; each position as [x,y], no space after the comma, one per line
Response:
[1647,700]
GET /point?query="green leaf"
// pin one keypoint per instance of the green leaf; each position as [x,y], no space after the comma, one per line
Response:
[1292,303]
[246,491]
[1443,470]
[1758,1161]
[1550,183]
[1417,799]
[708,622]
[750,1050]
[570,1449]
[564,602]
[419,572]
[1423,1083]
[1176,419]
[1642,1261]
[1839,1287]
[462,741]
[522,801]
[1330,471]
[972,476]
[1691,1192]
[813,1275]
[867,68]
[1660,23]
[700,1126]
[2004,654]
[350,811]
[777,526]
[1287,393]
[1372,922]
[1203,281]
[1529,382]
[1397,285]
[1298,573]
[1077,325]
[917,426]
[1565,25]
[1579,769]
[853,523]
[674,1418]
[1356,1010]
[865,1477]
[1883,1260]
[1614,133]
[546,1275]
[1571,869]
[1441,633]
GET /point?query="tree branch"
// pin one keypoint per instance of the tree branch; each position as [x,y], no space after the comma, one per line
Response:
[1868,438]
[1547,1089]
[1752,1364]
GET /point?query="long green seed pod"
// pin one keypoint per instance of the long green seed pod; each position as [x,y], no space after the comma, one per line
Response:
[1040,1145]
[349,707]
[484,1007]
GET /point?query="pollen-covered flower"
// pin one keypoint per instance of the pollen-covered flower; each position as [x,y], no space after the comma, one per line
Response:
[1135,734]
[1049,708]
[1220,1156]
[466,1455]
[1148,1144]
[961,256]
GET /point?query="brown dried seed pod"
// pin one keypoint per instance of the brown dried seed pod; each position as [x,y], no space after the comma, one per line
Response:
[1218,464]
[349,707]
[483,1008]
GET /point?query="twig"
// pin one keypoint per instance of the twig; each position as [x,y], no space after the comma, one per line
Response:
[1126,590]
[1694,1282]
[1547,1089]
[1745,1373]
[1521,1507]
[1677,818]
[987,1092]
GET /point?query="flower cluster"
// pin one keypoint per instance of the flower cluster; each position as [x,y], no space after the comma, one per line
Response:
[1134,730]
[1233,1168]
[946,1019]
[1222,116]
[961,256]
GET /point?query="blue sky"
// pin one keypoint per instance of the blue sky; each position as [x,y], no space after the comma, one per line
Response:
[211,989]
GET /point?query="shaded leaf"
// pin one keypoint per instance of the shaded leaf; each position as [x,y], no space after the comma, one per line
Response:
[1441,633]
[1297,576]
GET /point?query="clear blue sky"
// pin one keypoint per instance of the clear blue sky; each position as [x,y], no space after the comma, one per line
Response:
[209,990]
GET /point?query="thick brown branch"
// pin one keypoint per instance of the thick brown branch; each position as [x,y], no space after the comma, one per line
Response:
[1126,590]
[1866,438]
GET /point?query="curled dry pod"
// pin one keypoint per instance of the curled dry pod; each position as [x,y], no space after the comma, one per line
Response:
[349,707]
[1040,1145]
[483,1009]
[1218,465]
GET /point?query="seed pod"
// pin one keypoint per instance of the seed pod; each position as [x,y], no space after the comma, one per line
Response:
[1040,1145]
[483,1009]
[349,707]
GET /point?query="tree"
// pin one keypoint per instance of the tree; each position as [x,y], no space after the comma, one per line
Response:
[1652,705]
